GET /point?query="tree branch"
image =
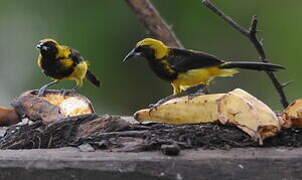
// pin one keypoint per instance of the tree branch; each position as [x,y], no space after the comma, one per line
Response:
[251,34]
[152,20]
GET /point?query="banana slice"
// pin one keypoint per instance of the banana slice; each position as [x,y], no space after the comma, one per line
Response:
[248,113]
[183,110]
[237,107]
[292,115]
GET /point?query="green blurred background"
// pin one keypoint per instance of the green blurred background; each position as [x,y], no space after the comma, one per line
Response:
[104,31]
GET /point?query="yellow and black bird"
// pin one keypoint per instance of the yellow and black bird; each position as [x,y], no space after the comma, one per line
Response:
[187,68]
[63,63]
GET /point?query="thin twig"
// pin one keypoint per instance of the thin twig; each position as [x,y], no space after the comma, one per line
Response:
[251,34]
[287,83]
[253,37]
[152,20]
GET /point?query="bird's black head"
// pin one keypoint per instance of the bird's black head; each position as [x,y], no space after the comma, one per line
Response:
[48,47]
[150,49]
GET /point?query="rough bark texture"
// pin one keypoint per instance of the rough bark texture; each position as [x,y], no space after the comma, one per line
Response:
[123,134]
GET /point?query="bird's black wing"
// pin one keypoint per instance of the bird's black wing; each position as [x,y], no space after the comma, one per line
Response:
[183,60]
[76,56]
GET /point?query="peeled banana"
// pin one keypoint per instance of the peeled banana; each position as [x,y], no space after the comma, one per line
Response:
[237,107]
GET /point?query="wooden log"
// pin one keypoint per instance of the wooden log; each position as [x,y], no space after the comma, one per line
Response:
[53,129]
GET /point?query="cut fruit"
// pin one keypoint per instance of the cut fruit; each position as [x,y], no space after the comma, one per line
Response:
[183,110]
[292,115]
[53,106]
[237,108]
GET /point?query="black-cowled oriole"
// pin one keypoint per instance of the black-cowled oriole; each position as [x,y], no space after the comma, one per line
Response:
[187,68]
[63,63]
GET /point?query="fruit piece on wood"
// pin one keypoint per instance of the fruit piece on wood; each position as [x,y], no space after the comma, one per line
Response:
[52,106]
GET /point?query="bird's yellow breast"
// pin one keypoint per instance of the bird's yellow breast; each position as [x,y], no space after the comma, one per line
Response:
[79,73]
[63,51]
[199,76]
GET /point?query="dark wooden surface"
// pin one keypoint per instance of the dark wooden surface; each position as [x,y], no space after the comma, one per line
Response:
[70,163]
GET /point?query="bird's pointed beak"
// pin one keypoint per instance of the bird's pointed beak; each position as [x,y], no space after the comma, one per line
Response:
[131,54]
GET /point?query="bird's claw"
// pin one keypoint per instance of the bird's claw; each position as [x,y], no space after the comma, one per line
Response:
[41,92]
[191,96]
[153,107]
[65,92]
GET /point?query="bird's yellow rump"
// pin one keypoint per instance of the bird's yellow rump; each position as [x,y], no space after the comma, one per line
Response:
[63,63]
[199,76]
[187,68]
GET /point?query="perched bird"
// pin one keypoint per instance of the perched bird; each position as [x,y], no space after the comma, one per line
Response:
[187,68]
[62,63]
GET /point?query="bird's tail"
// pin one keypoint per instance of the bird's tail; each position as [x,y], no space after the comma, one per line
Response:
[260,66]
[93,79]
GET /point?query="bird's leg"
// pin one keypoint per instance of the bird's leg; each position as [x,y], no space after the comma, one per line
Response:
[191,92]
[43,88]
[196,90]
[67,91]
[163,100]
[200,89]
